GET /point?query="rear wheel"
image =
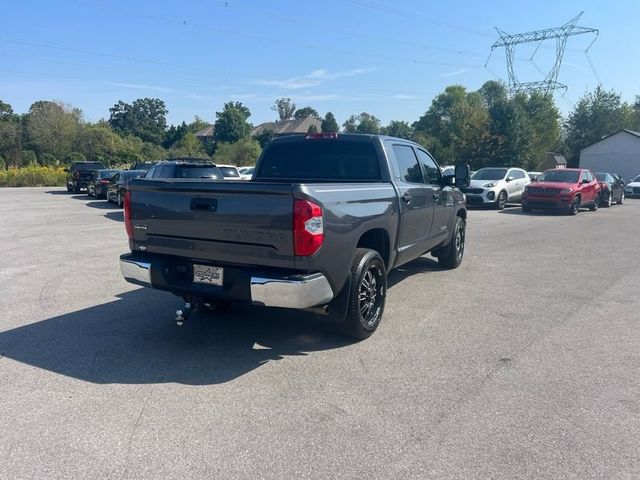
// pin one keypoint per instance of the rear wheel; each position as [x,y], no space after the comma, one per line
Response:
[451,256]
[119,198]
[76,189]
[367,295]
[609,201]
[621,201]
[574,208]
[596,203]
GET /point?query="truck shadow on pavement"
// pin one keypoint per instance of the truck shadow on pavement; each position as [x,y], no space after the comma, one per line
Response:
[133,340]
[419,265]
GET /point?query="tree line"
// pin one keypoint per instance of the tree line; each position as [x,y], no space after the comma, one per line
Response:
[488,126]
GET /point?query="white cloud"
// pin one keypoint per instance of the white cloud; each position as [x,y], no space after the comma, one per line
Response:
[138,86]
[312,79]
[454,73]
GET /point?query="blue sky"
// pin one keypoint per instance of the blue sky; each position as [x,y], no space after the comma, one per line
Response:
[345,56]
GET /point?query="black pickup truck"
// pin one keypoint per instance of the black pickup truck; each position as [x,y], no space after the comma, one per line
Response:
[323,220]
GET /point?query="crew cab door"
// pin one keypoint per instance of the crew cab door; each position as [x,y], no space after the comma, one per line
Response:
[442,198]
[416,202]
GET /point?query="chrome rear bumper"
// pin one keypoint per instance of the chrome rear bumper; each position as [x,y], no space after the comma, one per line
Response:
[297,291]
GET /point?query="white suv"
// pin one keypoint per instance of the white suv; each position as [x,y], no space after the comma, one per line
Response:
[496,186]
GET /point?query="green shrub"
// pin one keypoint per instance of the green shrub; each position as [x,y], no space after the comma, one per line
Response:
[33,176]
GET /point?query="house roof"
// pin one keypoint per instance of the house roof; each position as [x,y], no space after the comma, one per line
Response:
[205,132]
[624,130]
[285,127]
[557,158]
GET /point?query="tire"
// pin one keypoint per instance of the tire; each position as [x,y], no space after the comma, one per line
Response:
[76,189]
[451,256]
[621,201]
[119,200]
[574,208]
[609,201]
[69,189]
[501,202]
[526,209]
[595,205]
[367,294]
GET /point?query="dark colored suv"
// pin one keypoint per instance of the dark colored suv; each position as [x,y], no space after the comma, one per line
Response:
[185,169]
[118,185]
[98,183]
[79,174]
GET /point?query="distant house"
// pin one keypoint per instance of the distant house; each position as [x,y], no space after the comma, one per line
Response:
[289,127]
[554,160]
[205,135]
[615,153]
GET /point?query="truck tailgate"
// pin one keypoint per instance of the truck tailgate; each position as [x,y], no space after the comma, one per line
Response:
[247,223]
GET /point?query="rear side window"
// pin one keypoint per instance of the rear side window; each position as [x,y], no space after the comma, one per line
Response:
[517,174]
[198,171]
[229,172]
[329,160]
[408,166]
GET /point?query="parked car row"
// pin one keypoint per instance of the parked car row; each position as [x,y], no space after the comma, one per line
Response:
[561,189]
[111,184]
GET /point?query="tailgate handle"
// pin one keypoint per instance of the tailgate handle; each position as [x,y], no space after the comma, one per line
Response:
[208,204]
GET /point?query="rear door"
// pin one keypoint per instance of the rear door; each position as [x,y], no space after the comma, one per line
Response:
[442,200]
[416,202]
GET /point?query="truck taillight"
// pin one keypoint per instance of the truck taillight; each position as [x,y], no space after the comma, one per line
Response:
[308,228]
[128,224]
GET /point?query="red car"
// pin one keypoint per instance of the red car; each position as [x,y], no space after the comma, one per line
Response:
[563,189]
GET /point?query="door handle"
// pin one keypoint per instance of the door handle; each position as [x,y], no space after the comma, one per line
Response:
[406,197]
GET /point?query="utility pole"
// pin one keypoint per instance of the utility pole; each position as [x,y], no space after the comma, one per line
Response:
[560,34]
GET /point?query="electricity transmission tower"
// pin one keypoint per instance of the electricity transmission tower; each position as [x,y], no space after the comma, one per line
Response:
[560,34]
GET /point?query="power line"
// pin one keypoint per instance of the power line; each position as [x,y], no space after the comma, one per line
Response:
[421,18]
[339,51]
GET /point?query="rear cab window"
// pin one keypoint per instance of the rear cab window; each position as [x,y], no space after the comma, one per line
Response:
[198,171]
[322,161]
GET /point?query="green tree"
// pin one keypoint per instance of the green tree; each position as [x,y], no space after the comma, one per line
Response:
[48,160]
[306,112]
[398,128]
[98,142]
[51,127]
[6,111]
[455,127]
[285,108]
[363,123]
[312,129]
[3,163]
[329,123]
[241,153]
[29,158]
[145,118]
[189,146]
[174,134]
[231,123]
[597,113]
[264,137]
[11,143]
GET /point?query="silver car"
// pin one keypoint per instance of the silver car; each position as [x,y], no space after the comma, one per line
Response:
[496,186]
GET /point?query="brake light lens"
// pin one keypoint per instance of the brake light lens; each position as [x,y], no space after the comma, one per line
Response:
[103,181]
[322,135]
[308,228]
[128,224]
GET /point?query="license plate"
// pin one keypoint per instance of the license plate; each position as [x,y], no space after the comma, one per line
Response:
[207,274]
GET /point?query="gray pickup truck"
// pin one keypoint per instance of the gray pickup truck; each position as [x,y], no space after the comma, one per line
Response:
[323,220]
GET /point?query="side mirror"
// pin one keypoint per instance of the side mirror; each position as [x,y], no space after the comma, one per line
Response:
[509,179]
[449,180]
[462,175]
[585,180]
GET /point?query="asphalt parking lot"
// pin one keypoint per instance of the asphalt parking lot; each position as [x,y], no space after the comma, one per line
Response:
[521,364]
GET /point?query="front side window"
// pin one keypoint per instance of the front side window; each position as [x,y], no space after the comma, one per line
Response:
[431,170]
[490,174]
[408,166]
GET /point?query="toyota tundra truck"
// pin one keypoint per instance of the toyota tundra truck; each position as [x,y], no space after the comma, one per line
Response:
[323,220]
